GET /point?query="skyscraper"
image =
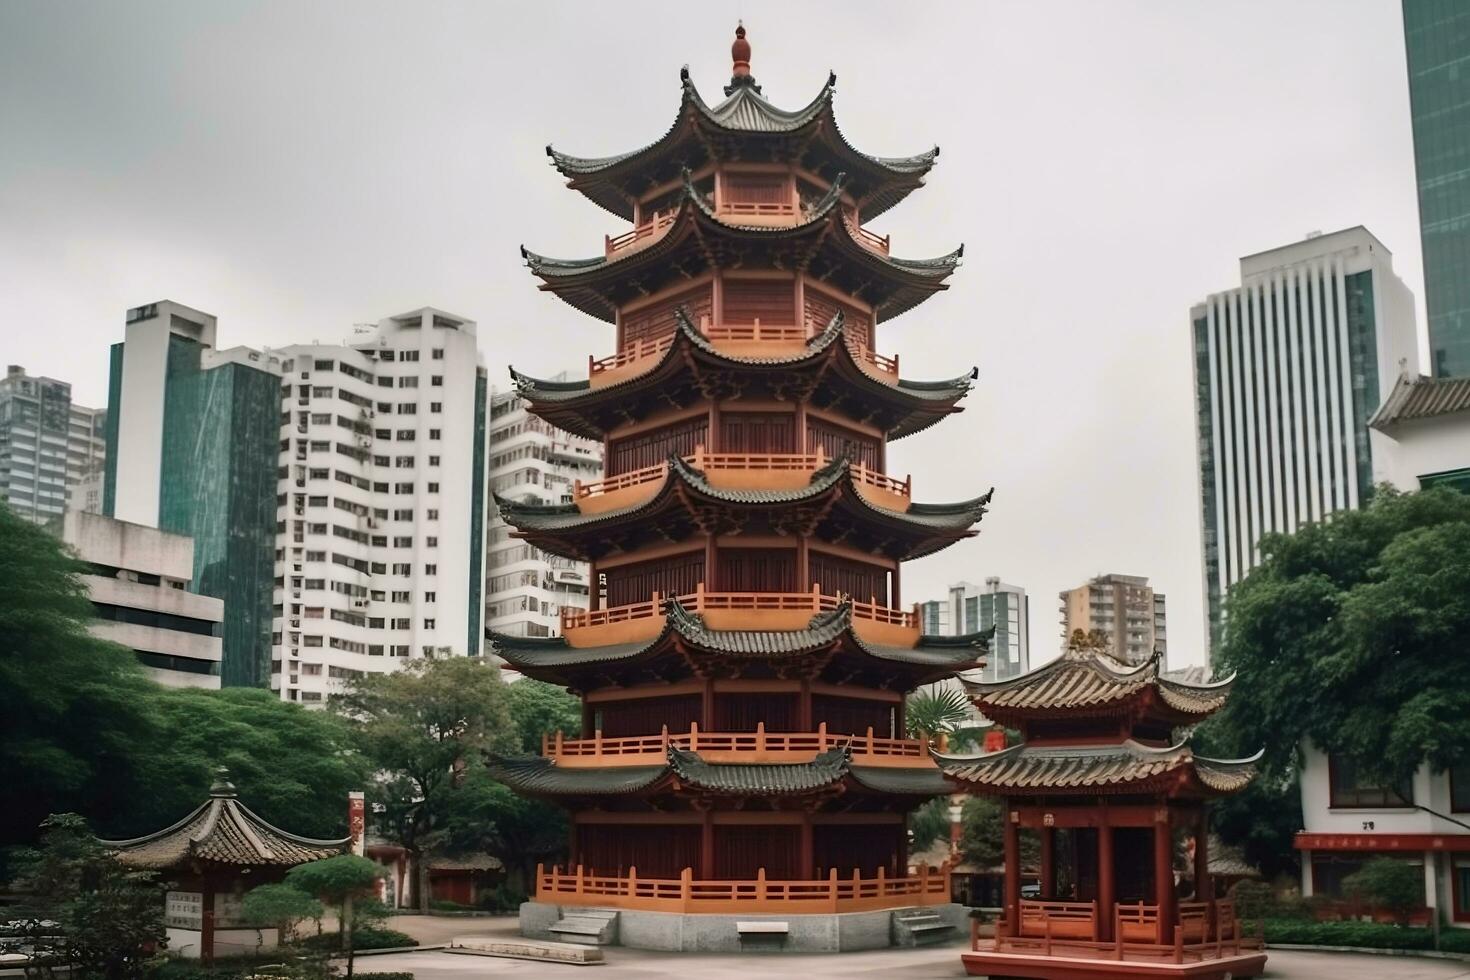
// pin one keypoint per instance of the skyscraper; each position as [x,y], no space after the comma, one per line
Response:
[192,438]
[970,608]
[1289,368]
[1122,607]
[533,462]
[1437,39]
[48,444]
[380,503]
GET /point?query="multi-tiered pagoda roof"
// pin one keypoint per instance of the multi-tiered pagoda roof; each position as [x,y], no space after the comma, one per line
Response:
[744,664]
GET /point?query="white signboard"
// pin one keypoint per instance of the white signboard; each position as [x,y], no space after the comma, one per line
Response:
[184,910]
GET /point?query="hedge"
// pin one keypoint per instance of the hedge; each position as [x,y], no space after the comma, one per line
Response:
[1369,935]
[363,937]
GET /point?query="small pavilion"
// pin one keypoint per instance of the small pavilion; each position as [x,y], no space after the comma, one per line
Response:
[1100,764]
[211,858]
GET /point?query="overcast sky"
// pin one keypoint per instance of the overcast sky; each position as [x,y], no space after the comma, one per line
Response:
[295,168]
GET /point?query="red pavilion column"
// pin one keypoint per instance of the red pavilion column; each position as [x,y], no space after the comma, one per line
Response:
[1164,874]
[206,925]
[1013,873]
[1204,888]
[707,847]
[1048,862]
[807,860]
[1107,891]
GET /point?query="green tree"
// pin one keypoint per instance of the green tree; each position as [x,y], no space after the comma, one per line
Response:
[982,834]
[281,906]
[292,765]
[84,907]
[928,714]
[929,823]
[1351,633]
[1394,885]
[72,708]
[423,728]
[339,881]
[538,708]
[484,815]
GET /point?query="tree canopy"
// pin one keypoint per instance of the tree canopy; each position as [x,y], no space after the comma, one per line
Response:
[1354,633]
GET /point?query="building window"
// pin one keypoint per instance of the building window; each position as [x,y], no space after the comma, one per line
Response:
[436,407]
[408,381]
[428,624]
[433,488]
[436,381]
[431,569]
[438,354]
[434,433]
[408,355]
[432,542]
[433,460]
[430,596]
[1351,789]
[1460,790]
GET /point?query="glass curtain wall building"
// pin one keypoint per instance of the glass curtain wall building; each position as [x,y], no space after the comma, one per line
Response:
[1289,367]
[1437,41]
[48,445]
[971,608]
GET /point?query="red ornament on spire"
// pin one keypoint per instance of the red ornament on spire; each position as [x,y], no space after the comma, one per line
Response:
[740,53]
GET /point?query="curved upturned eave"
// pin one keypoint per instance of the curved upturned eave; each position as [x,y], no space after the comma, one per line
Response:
[1130,765]
[594,177]
[937,524]
[572,395]
[571,278]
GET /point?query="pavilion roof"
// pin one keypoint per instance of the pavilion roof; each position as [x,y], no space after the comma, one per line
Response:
[828,771]
[723,651]
[1126,767]
[745,117]
[826,368]
[698,239]
[684,502]
[1418,397]
[223,831]
[1090,683]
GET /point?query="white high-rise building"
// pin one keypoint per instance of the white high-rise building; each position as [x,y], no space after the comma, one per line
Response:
[381,504]
[532,461]
[1289,367]
[48,445]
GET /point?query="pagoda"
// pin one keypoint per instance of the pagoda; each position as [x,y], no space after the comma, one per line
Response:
[744,664]
[1100,763]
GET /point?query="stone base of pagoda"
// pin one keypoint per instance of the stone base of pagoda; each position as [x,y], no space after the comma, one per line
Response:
[1084,963]
[677,932]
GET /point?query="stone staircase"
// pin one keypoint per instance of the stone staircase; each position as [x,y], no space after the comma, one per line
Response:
[587,927]
[918,927]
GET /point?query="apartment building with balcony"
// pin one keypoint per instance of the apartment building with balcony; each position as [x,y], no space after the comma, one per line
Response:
[140,582]
[380,504]
[48,445]
[970,608]
[533,462]
[1125,609]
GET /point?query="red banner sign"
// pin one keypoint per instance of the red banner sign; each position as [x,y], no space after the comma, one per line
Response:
[1382,842]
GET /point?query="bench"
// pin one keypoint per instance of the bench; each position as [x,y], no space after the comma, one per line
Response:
[761,928]
[1059,920]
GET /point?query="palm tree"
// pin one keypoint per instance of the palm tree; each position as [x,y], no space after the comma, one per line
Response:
[936,712]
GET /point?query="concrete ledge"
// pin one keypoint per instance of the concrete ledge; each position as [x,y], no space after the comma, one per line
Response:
[704,933]
[528,949]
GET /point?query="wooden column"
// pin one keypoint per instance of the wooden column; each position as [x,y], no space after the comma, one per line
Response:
[594,590]
[803,564]
[1048,862]
[711,563]
[807,861]
[589,719]
[804,706]
[1164,874]
[1204,889]
[707,705]
[707,847]
[206,925]
[1107,892]
[1013,872]
[895,596]
[573,857]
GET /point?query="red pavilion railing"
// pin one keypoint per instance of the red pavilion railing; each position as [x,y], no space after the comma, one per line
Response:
[759,741]
[701,601]
[717,462]
[641,235]
[835,893]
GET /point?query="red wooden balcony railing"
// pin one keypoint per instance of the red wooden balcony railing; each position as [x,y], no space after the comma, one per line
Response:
[701,601]
[759,741]
[755,209]
[641,235]
[835,893]
[746,462]
[754,332]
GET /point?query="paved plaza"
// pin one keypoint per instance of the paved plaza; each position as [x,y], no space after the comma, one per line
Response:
[900,964]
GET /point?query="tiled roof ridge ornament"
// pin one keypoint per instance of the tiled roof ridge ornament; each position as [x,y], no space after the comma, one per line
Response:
[222,787]
[740,76]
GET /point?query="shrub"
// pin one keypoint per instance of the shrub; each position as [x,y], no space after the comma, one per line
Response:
[505,898]
[444,905]
[384,976]
[1396,886]
[1370,935]
[1254,900]
[362,938]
